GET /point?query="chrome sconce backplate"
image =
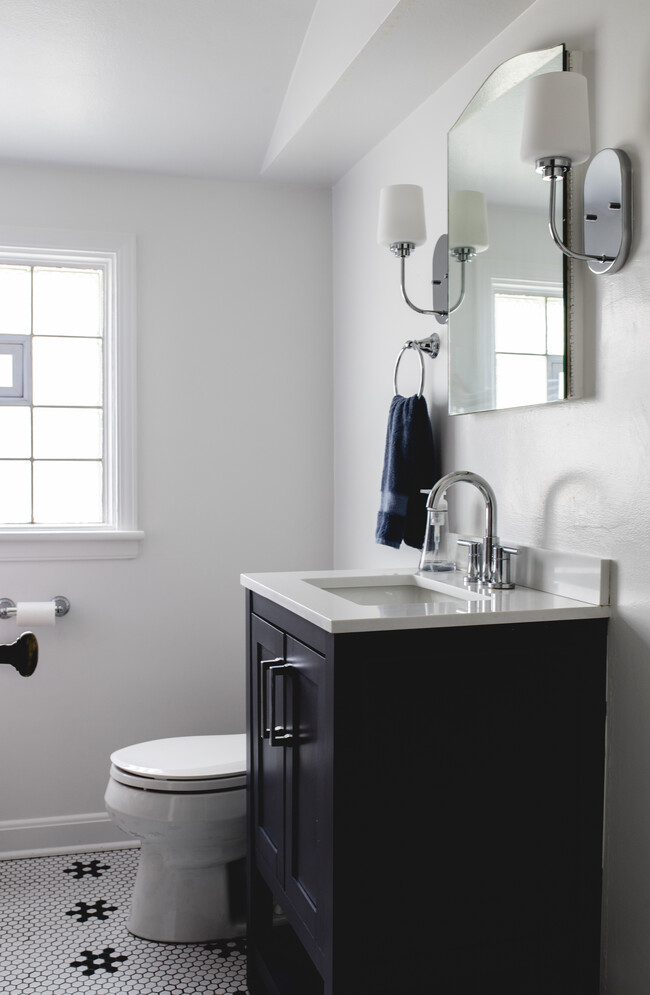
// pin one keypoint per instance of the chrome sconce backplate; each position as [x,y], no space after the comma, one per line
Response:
[608,210]
[440,280]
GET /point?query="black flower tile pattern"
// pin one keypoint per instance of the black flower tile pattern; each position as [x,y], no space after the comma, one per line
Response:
[63,932]
[93,867]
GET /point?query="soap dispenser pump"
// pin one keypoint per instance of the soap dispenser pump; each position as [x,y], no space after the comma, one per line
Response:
[434,557]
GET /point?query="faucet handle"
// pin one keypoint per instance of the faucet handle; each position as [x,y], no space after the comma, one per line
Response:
[500,573]
[473,573]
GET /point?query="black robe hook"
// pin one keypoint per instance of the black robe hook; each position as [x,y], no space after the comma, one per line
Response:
[21,654]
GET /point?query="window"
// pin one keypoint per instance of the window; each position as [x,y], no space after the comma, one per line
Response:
[529,346]
[67,406]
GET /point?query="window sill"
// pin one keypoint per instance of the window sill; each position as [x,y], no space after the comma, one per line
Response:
[73,544]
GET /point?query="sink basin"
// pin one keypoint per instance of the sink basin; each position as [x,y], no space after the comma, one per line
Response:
[398,589]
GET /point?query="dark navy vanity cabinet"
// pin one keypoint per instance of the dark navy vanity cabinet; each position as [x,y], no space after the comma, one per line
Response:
[425,807]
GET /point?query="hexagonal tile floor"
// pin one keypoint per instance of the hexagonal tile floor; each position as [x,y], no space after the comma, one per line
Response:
[63,931]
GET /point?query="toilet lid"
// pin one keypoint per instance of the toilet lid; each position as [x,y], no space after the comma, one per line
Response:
[185,757]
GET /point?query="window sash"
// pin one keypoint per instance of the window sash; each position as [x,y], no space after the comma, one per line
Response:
[118,535]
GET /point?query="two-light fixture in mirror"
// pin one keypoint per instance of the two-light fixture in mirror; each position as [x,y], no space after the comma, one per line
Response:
[499,281]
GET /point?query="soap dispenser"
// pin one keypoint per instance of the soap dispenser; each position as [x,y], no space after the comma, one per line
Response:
[434,550]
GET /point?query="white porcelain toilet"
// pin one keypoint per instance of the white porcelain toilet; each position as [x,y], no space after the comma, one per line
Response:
[185,798]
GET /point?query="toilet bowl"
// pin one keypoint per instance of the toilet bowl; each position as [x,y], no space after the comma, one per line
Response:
[185,799]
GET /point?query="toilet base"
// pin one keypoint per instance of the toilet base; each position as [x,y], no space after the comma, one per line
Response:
[179,901]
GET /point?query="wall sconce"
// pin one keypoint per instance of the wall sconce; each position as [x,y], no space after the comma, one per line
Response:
[402,228]
[555,137]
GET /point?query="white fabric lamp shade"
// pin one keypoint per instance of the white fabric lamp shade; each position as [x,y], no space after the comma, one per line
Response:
[401,215]
[468,227]
[556,118]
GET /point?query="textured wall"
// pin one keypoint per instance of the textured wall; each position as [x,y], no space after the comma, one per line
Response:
[572,476]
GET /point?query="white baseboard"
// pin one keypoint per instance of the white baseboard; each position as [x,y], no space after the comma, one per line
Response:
[85,832]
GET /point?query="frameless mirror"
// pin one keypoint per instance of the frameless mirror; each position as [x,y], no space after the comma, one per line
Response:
[508,321]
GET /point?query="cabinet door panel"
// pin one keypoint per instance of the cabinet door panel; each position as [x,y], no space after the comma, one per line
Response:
[268,796]
[308,799]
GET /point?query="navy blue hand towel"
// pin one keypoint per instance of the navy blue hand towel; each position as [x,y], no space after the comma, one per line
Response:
[409,465]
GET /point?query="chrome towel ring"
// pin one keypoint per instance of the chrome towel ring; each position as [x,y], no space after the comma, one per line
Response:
[411,344]
[430,346]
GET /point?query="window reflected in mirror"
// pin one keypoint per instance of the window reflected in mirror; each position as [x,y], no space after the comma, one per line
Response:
[528,346]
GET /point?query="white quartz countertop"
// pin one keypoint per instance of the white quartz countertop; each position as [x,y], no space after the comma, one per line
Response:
[371,600]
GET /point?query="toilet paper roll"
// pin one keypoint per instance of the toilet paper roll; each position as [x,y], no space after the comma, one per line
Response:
[35,613]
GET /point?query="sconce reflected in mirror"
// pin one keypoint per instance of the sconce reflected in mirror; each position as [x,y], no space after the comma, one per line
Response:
[402,228]
[468,231]
[555,137]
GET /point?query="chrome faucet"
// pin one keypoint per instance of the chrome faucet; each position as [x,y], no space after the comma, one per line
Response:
[489,564]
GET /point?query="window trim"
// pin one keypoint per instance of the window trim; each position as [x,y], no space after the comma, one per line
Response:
[120,537]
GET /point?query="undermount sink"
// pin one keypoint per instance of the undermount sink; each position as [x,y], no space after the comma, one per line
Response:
[550,586]
[398,589]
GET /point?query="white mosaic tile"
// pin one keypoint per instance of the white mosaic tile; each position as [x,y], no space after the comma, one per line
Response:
[63,931]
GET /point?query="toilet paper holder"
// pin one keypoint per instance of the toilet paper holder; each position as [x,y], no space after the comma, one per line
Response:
[8,607]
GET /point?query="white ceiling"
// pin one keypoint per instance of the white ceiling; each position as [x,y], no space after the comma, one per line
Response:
[288,89]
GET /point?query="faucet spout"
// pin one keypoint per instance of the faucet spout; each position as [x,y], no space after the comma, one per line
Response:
[490,538]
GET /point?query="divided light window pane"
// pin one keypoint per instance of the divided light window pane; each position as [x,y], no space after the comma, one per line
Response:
[520,380]
[555,325]
[15,433]
[67,433]
[15,492]
[67,302]
[15,300]
[67,492]
[519,323]
[67,371]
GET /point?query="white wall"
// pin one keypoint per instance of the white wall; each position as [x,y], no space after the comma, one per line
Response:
[572,476]
[234,474]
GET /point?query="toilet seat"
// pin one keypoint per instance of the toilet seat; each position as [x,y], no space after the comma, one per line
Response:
[184,763]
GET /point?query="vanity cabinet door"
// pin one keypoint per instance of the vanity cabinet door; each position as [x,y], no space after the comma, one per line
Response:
[308,810]
[290,795]
[267,650]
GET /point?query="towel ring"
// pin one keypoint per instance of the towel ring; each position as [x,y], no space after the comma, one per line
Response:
[410,345]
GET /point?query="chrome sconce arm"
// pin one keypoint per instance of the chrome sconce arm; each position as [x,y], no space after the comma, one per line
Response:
[431,344]
[403,250]
[607,208]
[556,137]
[462,256]
[439,278]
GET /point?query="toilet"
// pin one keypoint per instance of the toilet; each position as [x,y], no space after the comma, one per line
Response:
[185,799]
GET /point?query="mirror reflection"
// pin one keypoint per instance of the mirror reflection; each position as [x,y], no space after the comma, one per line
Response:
[507,281]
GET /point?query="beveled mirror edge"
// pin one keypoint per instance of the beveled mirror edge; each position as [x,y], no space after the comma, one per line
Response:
[509,74]
[573,274]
